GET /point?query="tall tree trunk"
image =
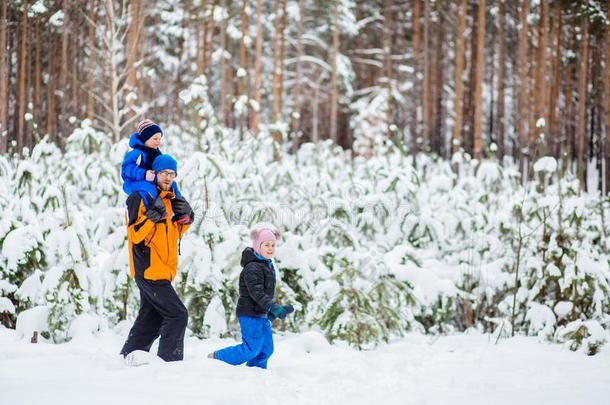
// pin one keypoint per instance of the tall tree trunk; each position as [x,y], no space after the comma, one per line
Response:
[316,108]
[566,143]
[606,153]
[500,128]
[278,77]
[178,80]
[75,57]
[224,85]
[91,59]
[141,46]
[208,42]
[63,76]
[296,97]
[426,99]
[540,102]
[522,82]
[415,135]
[255,117]
[243,80]
[243,62]
[555,82]
[113,75]
[334,90]
[478,83]
[12,48]
[51,85]
[278,62]
[133,31]
[596,135]
[459,73]
[21,77]
[208,36]
[387,53]
[199,30]
[37,97]
[360,69]
[468,129]
[3,76]
[201,26]
[437,67]
[231,83]
[490,60]
[583,67]
[176,110]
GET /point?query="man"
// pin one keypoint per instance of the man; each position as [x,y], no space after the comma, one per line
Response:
[153,234]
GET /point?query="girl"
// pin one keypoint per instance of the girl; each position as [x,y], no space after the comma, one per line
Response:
[255,306]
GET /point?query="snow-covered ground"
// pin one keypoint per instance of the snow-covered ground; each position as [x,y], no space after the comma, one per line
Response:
[305,369]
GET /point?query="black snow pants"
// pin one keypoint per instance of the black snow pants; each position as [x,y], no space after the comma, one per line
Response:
[161,314]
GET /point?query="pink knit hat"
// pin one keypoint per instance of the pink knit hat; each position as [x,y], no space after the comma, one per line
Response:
[261,236]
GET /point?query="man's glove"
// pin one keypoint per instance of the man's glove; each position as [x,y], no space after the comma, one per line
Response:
[183,213]
[156,211]
[277,311]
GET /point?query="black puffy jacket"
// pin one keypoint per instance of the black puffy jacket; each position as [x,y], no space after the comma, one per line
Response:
[256,285]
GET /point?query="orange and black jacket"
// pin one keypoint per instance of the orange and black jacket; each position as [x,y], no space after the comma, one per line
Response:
[153,247]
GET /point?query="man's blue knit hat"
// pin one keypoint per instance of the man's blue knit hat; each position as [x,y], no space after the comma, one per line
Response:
[165,162]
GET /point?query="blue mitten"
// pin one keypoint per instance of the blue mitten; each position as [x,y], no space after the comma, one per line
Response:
[288,309]
[277,311]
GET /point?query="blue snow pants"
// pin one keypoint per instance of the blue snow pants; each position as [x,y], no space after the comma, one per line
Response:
[147,188]
[256,346]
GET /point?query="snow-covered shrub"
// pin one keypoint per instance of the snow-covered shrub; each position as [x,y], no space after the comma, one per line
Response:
[66,299]
[560,262]
[366,304]
[586,335]
[22,258]
[373,246]
[351,314]
[297,264]
[120,297]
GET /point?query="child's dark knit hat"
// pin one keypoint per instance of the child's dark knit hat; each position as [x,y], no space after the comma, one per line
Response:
[146,129]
